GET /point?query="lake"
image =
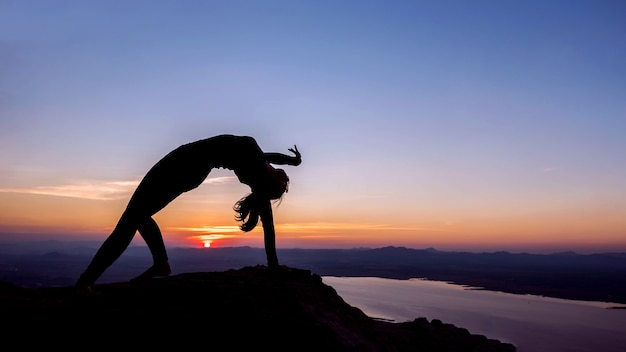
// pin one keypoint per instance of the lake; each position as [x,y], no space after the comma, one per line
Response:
[531,323]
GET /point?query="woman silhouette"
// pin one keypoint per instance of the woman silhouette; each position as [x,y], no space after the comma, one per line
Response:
[184,169]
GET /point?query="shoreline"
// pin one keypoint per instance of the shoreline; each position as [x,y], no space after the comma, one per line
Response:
[529,322]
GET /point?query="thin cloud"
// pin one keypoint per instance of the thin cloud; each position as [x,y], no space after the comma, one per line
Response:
[223,179]
[317,227]
[350,226]
[95,190]
[210,229]
[210,238]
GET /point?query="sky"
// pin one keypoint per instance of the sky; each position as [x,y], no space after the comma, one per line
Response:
[459,125]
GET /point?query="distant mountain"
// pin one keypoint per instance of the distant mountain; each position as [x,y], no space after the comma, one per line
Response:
[598,277]
[252,308]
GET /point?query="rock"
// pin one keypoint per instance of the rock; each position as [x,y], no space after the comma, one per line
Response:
[249,308]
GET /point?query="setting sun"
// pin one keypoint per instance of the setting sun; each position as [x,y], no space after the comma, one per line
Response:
[208,239]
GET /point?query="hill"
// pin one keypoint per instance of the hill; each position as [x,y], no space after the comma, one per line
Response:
[591,277]
[248,308]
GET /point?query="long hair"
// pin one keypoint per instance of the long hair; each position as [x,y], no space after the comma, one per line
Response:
[247,211]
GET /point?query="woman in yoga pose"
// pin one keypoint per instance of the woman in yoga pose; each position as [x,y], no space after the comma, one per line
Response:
[182,170]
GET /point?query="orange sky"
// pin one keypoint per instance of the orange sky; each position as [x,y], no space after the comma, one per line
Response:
[205,216]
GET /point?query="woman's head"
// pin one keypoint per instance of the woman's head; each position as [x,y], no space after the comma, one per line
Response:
[279,183]
[272,184]
[247,208]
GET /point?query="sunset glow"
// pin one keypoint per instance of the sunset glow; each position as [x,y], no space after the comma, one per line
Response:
[210,234]
[452,126]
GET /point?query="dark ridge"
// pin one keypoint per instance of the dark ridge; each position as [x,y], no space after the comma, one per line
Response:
[249,308]
[593,277]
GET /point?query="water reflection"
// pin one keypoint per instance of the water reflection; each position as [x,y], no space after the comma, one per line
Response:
[532,323]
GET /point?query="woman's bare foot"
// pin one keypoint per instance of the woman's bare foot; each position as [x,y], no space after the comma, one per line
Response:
[156,270]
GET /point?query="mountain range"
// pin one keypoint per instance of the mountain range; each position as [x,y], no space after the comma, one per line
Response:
[595,277]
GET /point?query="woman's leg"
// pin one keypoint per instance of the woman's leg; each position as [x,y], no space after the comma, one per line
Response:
[162,184]
[149,231]
[111,249]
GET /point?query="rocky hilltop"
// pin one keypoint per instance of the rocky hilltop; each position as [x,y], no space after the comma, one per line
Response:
[249,308]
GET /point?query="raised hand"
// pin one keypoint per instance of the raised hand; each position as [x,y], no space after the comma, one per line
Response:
[298,156]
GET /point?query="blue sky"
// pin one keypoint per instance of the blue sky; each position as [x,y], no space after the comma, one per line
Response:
[472,118]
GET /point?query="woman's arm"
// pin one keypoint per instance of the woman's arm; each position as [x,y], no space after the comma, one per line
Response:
[282,159]
[269,234]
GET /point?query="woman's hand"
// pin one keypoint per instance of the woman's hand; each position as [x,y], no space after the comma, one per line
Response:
[298,156]
[284,159]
